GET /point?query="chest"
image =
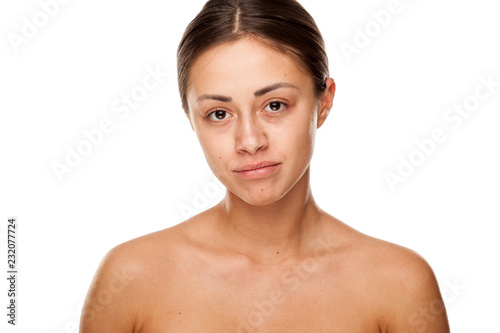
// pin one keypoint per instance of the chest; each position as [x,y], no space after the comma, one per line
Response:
[294,301]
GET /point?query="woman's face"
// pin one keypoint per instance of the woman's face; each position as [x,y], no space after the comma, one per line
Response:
[255,114]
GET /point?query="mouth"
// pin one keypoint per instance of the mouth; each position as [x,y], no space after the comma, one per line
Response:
[257,170]
[260,165]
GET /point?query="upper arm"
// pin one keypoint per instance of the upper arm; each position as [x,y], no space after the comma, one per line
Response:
[109,305]
[414,303]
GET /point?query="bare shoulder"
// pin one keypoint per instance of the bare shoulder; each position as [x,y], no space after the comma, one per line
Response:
[409,293]
[398,281]
[125,278]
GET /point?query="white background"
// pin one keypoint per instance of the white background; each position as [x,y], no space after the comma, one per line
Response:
[394,91]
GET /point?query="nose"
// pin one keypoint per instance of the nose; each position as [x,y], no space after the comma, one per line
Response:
[250,135]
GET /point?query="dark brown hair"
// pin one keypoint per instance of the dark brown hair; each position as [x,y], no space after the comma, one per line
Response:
[281,24]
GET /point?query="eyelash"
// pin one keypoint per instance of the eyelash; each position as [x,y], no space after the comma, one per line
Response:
[283,107]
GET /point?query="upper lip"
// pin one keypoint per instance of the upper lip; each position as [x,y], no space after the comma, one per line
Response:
[255,166]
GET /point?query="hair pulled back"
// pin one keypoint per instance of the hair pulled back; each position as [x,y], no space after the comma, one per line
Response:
[283,25]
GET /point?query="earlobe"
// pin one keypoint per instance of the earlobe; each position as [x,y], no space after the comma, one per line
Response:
[326,102]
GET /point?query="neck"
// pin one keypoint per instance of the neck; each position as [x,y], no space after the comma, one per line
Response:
[284,226]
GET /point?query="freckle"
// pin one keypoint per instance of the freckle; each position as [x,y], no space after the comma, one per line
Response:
[278,252]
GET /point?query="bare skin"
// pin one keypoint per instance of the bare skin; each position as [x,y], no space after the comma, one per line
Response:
[266,258]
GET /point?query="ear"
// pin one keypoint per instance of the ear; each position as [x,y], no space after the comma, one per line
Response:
[326,102]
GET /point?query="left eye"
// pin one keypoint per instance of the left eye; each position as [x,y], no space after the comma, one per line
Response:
[218,115]
[275,106]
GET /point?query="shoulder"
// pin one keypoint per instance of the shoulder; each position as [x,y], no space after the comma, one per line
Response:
[137,257]
[405,289]
[397,282]
[386,262]
[123,280]
[400,270]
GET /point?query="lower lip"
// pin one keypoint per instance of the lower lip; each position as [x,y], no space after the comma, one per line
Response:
[258,173]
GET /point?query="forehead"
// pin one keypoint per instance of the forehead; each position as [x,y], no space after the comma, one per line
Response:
[243,66]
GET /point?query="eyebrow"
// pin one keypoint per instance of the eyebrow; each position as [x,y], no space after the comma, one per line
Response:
[270,88]
[214,97]
[258,93]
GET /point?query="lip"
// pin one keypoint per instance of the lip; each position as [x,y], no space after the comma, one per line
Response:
[257,170]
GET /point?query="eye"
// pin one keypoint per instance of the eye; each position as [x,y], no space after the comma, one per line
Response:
[275,107]
[218,115]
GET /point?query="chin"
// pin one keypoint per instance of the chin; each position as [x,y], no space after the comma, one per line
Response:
[260,198]
[260,202]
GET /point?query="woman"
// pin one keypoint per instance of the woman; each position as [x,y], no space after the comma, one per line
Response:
[254,84]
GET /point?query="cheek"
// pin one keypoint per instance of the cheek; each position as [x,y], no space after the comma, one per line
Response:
[295,139]
[302,129]
[215,151]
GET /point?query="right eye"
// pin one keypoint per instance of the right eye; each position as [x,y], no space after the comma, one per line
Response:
[218,115]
